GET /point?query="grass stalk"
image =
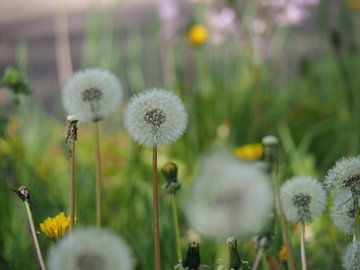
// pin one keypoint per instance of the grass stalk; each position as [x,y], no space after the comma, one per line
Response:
[302,247]
[98,177]
[176,226]
[156,211]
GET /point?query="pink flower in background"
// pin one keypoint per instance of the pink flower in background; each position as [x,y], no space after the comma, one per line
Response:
[168,10]
[222,23]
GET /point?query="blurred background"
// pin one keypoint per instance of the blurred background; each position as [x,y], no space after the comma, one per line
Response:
[244,69]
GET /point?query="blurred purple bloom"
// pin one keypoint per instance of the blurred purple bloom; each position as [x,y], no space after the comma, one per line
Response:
[223,21]
[168,10]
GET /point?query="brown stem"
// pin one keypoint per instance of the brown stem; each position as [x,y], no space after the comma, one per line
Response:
[34,237]
[98,178]
[156,211]
[302,247]
[72,186]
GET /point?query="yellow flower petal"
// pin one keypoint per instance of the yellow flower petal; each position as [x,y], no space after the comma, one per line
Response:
[249,151]
[197,35]
[55,227]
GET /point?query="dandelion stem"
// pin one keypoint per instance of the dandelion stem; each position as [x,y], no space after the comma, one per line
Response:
[357,219]
[302,246]
[34,236]
[72,186]
[257,259]
[98,178]
[71,139]
[156,211]
[285,229]
[176,226]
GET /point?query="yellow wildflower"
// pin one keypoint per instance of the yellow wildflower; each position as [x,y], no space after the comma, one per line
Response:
[249,151]
[55,227]
[354,4]
[282,254]
[197,34]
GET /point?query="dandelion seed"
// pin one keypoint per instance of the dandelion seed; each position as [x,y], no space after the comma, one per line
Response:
[91,249]
[303,198]
[92,94]
[343,213]
[345,175]
[56,227]
[155,117]
[225,197]
[351,257]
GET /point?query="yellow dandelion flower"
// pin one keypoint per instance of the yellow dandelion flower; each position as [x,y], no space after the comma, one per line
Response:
[197,35]
[353,4]
[282,254]
[55,227]
[249,151]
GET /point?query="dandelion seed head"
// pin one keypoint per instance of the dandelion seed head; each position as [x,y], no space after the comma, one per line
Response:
[345,174]
[270,140]
[303,198]
[342,212]
[228,196]
[91,249]
[92,94]
[351,257]
[155,117]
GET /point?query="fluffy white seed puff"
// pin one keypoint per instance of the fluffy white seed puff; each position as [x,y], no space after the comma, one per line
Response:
[92,94]
[351,257]
[303,198]
[345,175]
[91,249]
[342,212]
[229,196]
[155,117]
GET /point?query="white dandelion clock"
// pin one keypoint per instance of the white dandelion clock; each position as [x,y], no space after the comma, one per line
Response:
[92,94]
[345,175]
[155,117]
[229,197]
[343,213]
[91,249]
[351,257]
[303,198]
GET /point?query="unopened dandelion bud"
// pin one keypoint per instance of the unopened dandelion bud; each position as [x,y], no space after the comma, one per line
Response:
[264,241]
[192,259]
[72,129]
[235,261]
[170,173]
[335,38]
[271,143]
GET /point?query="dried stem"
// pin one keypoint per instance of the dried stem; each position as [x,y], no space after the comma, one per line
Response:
[176,226]
[257,259]
[302,247]
[98,178]
[24,195]
[156,211]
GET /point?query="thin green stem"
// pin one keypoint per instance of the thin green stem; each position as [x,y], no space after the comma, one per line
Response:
[265,264]
[302,247]
[34,237]
[98,177]
[176,226]
[72,186]
[156,211]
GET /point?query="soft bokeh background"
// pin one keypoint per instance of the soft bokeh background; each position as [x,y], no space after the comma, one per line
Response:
[289,68]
